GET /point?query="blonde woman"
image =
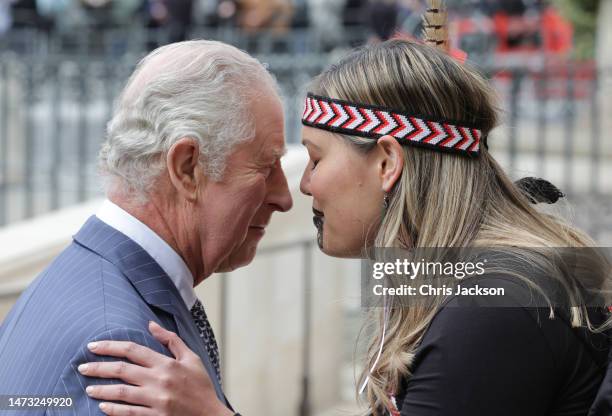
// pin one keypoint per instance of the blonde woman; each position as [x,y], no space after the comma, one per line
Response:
[396,134]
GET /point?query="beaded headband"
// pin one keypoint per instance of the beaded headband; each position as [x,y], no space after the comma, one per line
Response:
[370,121]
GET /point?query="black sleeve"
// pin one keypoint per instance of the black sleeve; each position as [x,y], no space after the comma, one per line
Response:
[481,361]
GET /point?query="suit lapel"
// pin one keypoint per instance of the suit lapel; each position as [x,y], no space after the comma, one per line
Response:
[149,280]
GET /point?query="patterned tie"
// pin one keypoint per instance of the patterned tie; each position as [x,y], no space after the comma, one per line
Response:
[207,335]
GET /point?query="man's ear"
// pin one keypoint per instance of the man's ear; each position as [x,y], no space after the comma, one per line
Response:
[182,162]
[390,161]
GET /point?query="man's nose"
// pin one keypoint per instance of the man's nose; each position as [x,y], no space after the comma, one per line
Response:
[279,193]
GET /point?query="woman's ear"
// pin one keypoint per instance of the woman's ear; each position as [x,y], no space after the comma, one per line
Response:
[391,161]
[182,162]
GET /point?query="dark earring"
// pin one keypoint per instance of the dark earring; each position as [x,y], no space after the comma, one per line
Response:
[386,201]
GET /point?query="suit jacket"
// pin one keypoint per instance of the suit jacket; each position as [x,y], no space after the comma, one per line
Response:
[104,286]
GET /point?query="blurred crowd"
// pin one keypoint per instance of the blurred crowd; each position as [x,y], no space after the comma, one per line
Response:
[328,16]
[511,22]
[179,15]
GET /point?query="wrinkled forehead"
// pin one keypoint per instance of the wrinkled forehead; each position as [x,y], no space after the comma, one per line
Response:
[267,110]
[271,147]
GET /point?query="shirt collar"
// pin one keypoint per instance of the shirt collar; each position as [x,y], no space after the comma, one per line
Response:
[154,245]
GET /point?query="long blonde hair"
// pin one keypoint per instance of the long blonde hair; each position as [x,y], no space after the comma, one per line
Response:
[441,200]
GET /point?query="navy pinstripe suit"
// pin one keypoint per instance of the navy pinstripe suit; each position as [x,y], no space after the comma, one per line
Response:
[103,286]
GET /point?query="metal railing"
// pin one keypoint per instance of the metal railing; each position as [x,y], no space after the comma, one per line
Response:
[55,100]
[52,122]
[114,43]
[561,110]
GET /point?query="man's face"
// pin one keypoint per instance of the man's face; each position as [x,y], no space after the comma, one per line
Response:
[235,211]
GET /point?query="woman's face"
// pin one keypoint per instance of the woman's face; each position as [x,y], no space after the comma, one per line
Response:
[346,191]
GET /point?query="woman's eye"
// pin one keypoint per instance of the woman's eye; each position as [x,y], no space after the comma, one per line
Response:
[314,163]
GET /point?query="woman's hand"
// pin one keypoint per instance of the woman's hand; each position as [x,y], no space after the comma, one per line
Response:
[159,385]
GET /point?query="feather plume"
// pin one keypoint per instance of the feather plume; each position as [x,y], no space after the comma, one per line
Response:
[435,25]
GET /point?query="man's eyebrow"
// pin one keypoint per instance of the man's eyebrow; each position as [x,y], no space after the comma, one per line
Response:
[276,154]
[280,152]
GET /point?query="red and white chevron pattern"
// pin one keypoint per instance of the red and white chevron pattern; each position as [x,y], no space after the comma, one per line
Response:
[337,115]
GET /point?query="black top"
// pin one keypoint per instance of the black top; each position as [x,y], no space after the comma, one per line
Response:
[514,361]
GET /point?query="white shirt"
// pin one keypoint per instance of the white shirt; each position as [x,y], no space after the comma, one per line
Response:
[154,245]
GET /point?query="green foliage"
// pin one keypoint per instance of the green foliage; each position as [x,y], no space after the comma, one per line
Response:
[583,16]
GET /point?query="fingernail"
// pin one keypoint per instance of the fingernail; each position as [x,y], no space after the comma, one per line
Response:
[83,368]
[103,406]
[89,389]
[92,345]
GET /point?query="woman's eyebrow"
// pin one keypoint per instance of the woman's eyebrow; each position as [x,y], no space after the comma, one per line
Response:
[307,142]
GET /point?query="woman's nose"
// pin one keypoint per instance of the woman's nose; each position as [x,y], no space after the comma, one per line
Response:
[305,182]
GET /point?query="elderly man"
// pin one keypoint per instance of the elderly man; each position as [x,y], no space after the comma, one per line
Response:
[193,175]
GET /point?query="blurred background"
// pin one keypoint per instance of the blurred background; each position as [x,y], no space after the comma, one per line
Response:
[287,325]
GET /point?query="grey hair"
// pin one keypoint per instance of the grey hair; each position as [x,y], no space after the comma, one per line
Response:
[198,89]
